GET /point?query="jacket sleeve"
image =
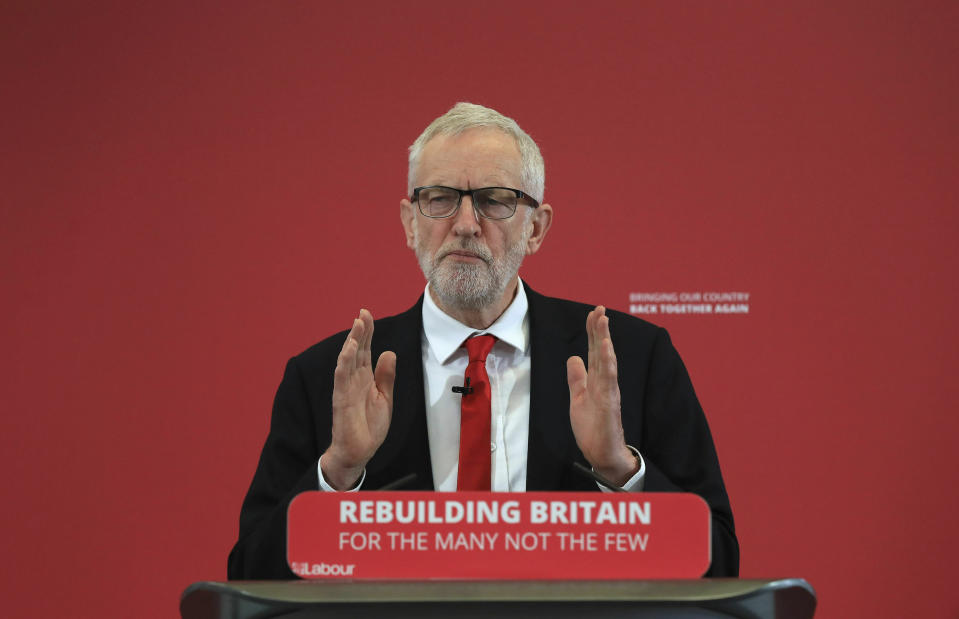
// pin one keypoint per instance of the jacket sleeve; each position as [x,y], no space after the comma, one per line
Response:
[678,449]
[287,466]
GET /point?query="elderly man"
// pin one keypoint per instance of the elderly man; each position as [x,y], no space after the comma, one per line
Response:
[469,387]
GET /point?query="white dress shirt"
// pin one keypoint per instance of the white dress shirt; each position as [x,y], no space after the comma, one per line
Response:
[508,365]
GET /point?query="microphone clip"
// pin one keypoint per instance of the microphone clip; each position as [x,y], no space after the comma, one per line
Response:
[465,389]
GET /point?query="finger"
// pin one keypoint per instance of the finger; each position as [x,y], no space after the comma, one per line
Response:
[364,358]
[356,337]
[594,357]
[368,323]
[576,376]
[385,375]
[602,325]
[601,328]
[590,338]
[604,344]
[607,369]
[344,368]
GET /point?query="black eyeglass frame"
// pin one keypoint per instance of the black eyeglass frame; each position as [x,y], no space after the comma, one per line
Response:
[469,192]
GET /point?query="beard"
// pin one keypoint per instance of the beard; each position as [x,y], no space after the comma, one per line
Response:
[470,286]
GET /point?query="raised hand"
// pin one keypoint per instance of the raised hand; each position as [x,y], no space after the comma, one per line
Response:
[362,405]
[594,405]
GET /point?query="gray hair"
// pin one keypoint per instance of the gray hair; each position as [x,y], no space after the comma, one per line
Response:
[465,116]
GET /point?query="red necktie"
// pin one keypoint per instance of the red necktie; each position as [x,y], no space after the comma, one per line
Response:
[475,457]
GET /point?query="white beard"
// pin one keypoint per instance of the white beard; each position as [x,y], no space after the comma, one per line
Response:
[460,285]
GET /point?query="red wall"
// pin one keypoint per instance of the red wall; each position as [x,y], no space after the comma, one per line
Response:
[190,195]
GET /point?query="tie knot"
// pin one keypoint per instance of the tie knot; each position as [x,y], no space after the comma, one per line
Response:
[479,346]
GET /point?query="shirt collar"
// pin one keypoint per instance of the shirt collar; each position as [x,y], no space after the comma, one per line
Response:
[445,334]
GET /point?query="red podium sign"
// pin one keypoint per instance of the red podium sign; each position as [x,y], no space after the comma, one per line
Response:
[482,535]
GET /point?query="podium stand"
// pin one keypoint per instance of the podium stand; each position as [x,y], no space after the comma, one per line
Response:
[746,599]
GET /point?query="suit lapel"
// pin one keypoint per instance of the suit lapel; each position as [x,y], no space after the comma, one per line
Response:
[554,337]
[406,448]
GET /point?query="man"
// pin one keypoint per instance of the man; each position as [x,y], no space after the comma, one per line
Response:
[344,422]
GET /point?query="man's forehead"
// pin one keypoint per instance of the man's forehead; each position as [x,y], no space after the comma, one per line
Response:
[480,157]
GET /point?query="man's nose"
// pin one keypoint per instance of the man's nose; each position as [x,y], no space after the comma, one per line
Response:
[466,220]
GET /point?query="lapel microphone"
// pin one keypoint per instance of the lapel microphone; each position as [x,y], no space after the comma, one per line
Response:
[465,389]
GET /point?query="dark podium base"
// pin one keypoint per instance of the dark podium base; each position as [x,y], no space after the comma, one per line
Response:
[747,599]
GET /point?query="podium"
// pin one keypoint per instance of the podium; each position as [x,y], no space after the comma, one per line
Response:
[791,598]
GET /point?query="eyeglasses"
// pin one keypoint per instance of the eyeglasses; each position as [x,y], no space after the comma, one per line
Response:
[438,202]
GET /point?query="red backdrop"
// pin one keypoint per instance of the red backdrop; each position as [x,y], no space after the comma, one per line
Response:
[191,194]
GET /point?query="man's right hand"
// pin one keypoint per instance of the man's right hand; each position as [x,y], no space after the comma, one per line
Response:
[362,406]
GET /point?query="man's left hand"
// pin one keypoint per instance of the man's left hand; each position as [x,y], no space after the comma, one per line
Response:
[594,406]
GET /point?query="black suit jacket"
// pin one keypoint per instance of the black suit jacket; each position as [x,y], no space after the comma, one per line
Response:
[662,418]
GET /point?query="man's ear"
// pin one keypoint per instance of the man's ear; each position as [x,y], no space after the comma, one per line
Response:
[407,215]
[540,219]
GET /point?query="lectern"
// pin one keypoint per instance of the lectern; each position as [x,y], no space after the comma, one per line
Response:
[790,598]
